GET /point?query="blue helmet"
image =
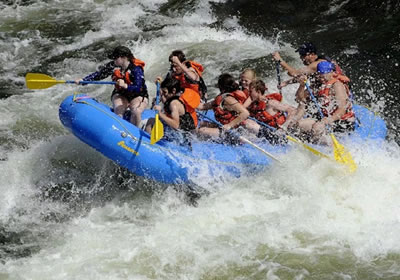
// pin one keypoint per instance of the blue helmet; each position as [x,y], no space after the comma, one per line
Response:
[325,67]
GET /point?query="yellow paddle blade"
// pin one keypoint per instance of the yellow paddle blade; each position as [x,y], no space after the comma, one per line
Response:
[157,132]
[40,81]
[311,149]
[342,155]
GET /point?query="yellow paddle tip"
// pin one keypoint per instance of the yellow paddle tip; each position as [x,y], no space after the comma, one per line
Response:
[157,132]
[342,155]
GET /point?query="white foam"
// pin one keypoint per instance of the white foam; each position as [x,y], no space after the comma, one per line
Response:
[308,207]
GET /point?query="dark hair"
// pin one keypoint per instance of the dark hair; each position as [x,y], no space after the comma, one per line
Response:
[227,83]
[120,51]
[178,53]
[306,48]
[171,84]
[258,85]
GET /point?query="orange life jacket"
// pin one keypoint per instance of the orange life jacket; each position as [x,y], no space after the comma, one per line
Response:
[190,100]
[185,81]
[324,97]
[221,114]
[257,110]
[117,75]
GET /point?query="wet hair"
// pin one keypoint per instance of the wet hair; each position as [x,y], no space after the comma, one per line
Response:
[307,48]
[171,84]
[226,83]
[249,71]
[121,51]
[258,85]
[178,53]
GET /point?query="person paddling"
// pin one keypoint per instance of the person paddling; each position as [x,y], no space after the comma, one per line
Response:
[266,108]
[227,106]
[179,107]
[130,88]
[310,57]
[333,102]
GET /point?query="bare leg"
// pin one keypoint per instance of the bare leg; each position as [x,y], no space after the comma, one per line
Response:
[120,104]
[138,105]
[252,126]
[209,130]
[149,125]
[306,125]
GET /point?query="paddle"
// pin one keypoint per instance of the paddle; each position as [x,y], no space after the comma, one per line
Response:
[42,81]
[291,138]
[157,132]
[278,74]
[241,138]
[341,155]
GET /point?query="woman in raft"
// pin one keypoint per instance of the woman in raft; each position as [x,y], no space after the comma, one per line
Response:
[227,106]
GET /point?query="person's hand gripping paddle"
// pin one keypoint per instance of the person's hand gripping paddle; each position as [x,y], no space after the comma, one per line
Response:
[157,132]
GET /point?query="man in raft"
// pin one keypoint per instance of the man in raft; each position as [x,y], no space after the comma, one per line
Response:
[310,58]
[179,108]
[130,89]
[334,101]
[187,72]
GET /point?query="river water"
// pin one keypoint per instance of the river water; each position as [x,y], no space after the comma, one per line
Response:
[66,212]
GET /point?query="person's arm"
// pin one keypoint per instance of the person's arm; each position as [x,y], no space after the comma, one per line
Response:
[103,72]
[295,117]
[189,72]
[287,82]
[279,106]
[173,119]
[232,104]
[293,72]
[205,106]
[301,93]
[247,102]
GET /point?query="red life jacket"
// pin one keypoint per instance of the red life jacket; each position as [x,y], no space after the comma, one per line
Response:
[117,75]
[185,81]
[325,96]
[339,70]
[221,114]
[247,92]
[258,111]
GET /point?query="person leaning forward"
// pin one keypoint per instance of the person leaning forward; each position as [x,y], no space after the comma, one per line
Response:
[130,89]
[227,106]
[179,106]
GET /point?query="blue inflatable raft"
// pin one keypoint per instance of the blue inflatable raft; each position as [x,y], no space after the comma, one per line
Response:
[95,124]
